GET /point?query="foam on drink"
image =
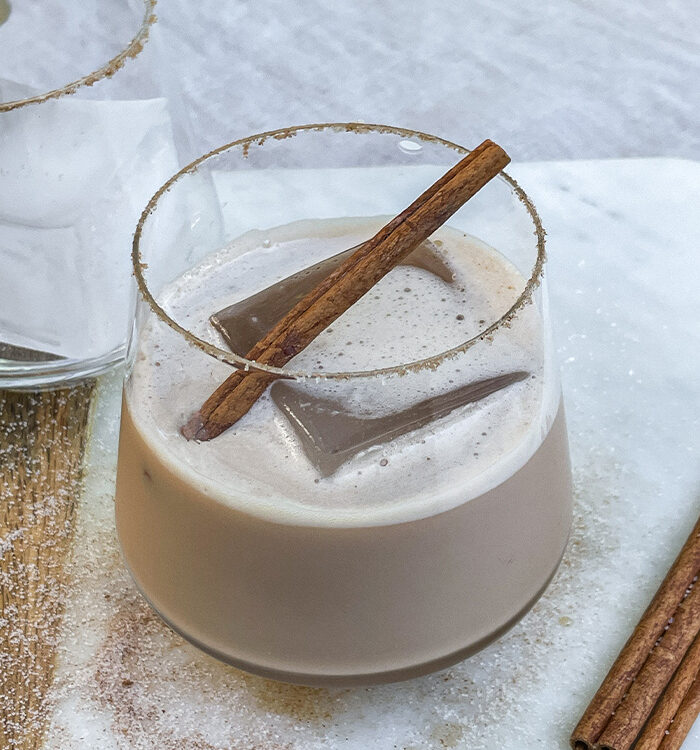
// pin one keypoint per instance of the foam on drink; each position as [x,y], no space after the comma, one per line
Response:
[258,464]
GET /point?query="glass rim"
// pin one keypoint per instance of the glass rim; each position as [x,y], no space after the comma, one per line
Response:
[132,50]
[239,362]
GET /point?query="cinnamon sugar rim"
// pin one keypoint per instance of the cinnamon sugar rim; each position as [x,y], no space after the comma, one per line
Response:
[240,362]
[106,71]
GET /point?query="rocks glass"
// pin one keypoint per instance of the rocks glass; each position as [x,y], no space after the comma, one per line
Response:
[427,540]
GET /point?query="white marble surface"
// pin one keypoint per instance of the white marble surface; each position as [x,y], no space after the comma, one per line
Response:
[557,79]
[569,79]
[623,276]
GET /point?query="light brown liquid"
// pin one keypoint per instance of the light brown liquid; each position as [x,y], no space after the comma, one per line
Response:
[444,520]
[341,605]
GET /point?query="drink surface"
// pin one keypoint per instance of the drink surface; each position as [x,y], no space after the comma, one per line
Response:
[259,465]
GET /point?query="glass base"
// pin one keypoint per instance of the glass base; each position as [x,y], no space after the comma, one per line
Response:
[359,680]
[28,375]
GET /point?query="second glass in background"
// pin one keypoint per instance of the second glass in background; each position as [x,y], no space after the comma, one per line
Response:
[89,127]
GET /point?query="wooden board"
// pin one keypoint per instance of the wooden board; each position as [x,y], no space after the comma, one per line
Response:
[42,444]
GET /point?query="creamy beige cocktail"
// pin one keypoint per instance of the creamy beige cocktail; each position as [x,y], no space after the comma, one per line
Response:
[414,551]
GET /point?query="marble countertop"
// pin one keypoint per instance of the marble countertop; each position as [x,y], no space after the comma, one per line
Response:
[571,79]
[623,278]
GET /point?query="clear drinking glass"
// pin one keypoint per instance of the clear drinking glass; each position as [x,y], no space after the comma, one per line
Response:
[427,541]
[86,136]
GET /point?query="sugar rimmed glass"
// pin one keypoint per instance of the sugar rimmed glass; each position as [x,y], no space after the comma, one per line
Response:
[261,579]
[87,133]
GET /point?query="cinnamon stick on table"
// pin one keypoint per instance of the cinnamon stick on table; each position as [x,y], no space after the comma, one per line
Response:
[630,716]
[342,288]
[684,719]
[672,712]
[644,667]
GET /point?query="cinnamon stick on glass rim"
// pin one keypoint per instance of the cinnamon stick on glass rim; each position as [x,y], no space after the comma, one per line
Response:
[345,286]
[611,695]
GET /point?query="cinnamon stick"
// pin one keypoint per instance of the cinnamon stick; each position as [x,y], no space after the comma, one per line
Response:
[345,286]
[667,710]
[684,719]
[624,727]
[633,656]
